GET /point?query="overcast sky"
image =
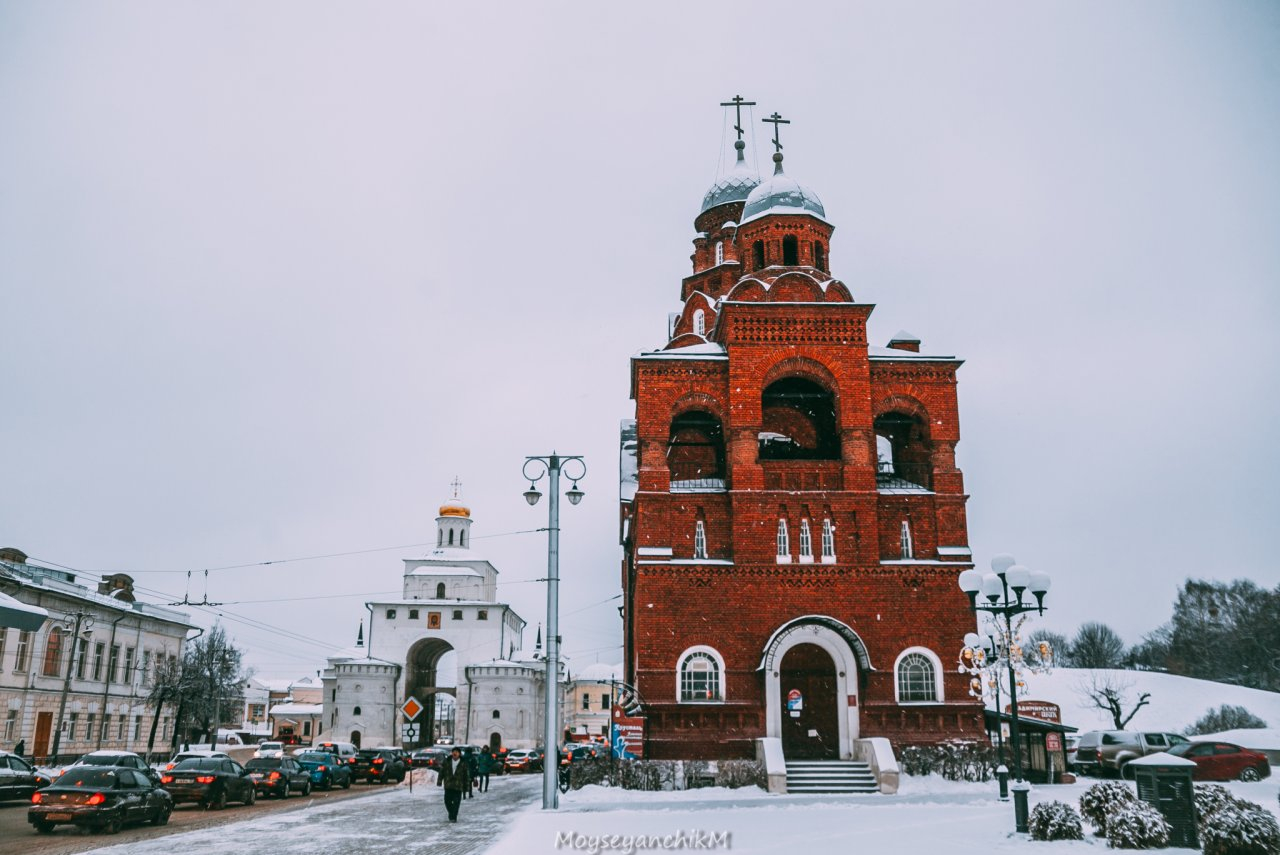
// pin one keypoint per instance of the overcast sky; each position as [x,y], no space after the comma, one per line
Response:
[273,274]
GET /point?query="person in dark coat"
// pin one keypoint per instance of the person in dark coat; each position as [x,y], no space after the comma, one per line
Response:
[20,748]
[455,777]
[484,765]
[474,765]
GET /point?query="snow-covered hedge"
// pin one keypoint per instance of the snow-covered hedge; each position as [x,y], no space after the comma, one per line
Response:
[1239,827]
[955,761]
[667,774]
[1210,798]
[1137,825]
[1055,821]
[1102,800]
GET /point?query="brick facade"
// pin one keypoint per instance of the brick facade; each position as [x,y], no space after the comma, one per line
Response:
[767,405]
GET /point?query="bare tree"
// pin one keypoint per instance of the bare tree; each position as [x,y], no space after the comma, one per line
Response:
[1113,695]
[166,683]
[1096,645]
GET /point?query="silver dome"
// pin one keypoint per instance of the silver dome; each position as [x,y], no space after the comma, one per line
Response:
[782,195]
[733,187]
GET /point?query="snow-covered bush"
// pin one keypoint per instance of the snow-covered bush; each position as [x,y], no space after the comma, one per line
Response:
[1137,825]
[741,773]
[955,761]
[1210,798]
[1055,821]
[1240,828]
[1103,799]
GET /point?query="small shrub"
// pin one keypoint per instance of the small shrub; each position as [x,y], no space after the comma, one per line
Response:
[1210,798]
[1055,821]
[1137,825]
[1103,799]
[955,761]
[741,773]
[1240,828]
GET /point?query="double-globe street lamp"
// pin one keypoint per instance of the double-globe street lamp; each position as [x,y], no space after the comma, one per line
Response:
[999,594]
[535,469]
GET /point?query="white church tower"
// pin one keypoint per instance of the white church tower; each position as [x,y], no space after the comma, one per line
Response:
[422,644]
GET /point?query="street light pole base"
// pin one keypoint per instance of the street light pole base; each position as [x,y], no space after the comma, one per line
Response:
[1020,790]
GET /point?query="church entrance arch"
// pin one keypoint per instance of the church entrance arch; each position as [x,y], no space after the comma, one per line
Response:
[422,677]
[811,666]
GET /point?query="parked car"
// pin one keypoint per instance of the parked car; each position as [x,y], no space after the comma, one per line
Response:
[1107,752]
[210,781]
[578,753]
[123,759]
[344,751]
[1223,761]
[405,757]
[18,778]
[521,760]
[326,770]
[276,776]
[102,798]
[269,749]
[378,765]
[428,758]
[184,755]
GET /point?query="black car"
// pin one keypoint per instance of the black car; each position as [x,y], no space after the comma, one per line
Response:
[18,778]
[429,758]
[101,798]
[326,770]
[276,776]
[378,765]
[124,759]
[211,782]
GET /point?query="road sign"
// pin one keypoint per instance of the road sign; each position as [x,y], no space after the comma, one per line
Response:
[409,732]
[411,708]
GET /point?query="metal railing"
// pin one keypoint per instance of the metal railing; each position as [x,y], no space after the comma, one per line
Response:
[904,476]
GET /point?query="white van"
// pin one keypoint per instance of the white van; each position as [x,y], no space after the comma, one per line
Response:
[344,751]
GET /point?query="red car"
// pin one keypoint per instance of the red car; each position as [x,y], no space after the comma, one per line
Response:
[1222,761]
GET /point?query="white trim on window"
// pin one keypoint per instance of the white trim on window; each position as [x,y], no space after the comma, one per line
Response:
[917,687]
[784,542]
[904,540]
[705,669]
[719,252]
[699,539]
[828,542]
[806,542]
[700,322]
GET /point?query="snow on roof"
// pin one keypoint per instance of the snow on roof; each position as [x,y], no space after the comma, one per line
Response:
[447,570]
[600,672]
[876,353]
[1175,703]
[694,351]
[354,653]
[20,615]
[904,336]
[451,553]
[709,347]
[1255,738]
[296,709]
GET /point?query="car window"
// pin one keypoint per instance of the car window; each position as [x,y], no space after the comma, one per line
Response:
[1175,739]
[90,776]
[1199,751]
[263,763]
[1224,749]
[233,767]
[1154,738]
[19,765]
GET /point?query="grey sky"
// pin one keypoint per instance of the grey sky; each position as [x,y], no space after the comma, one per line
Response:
[271,275]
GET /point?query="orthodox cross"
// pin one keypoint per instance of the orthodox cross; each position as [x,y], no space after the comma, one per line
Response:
[456,485]
[777,120]
[737,104]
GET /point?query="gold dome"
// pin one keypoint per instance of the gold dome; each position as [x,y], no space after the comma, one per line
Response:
[455,509]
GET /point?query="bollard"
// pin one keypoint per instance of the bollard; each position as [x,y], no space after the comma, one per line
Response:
[1020,790]
[1002,775]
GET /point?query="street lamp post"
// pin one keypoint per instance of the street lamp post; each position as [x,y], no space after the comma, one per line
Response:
[535,468]
[1001,597]
[82,618]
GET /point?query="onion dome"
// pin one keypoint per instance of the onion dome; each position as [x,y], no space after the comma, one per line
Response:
[733,187]
[455,509]
[781,195]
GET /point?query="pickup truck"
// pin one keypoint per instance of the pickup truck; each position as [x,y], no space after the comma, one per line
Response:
[1107,752]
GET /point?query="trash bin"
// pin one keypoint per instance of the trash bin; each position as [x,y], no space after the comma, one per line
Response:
[1164,781]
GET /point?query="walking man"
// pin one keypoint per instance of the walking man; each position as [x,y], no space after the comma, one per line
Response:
[484,765]
[455,777]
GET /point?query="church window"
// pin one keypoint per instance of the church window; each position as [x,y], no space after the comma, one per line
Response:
[798,421]
[440,538]
[413,614]
[700,322]
[462,538]
[757,255]
[819,256]
[391,614]
[695,452]
[806,543]
[828,541]
[457,614]
[497,713]
[903,452]
[784,542]
[355,711]
[482,614]
[451,537]
[917,677]
[439,590]
[719,252]
[701,673]
[699,539]
[904,538]
[790,250]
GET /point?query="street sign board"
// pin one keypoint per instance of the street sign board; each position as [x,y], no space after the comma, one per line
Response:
[409,732]
[411,708]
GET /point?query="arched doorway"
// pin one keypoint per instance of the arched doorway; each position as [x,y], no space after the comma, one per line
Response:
[355,738]
[810,722]
[422,681]
[495,742]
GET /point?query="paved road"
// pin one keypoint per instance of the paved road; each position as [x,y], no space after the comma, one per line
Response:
[19,838]
[396,823]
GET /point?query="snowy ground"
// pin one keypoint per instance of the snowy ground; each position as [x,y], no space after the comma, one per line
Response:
[928,816]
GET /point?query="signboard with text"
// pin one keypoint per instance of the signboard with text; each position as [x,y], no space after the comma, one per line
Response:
[1043,710]
[626,735]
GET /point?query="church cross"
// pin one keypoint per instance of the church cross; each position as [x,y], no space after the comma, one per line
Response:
[737,104]
[457,486]
[777,120]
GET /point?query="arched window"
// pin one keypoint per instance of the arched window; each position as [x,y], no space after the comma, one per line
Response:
[790,250]
[799,422]
[701,676]
[439,590]
[462,538]
[695,452]
[53,653]
[440,538]
[917,675]
[904,457]
[497,713]
[700,322]
[699,539]
[784,541]
[719,252]
[757,255]
[806,543]
[828,542]
[451,537]
[356,711]
[904,540]
[819,256]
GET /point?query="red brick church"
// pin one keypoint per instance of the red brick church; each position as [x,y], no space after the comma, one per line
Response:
[793,520]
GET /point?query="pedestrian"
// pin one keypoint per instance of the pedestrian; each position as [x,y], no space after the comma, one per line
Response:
[455,777]
[484,765]
[20,747]
[473,764]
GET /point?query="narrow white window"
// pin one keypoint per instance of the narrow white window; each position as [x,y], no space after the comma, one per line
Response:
[828,542]
[806,543]
[784,542]
[905,539]
[719,252]
[700,322]
[699,540]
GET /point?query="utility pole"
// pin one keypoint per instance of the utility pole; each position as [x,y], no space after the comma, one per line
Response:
[80,617]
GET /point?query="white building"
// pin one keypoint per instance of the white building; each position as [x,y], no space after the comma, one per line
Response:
[447,621]
[588,702]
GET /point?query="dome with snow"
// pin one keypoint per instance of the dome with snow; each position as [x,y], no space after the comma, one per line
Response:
[733,187]
[782,195]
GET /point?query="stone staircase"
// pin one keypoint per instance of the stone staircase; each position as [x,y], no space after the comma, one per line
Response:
[830,776]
